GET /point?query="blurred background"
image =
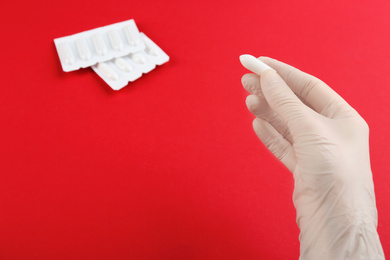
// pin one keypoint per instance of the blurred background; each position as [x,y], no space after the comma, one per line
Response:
[169,167]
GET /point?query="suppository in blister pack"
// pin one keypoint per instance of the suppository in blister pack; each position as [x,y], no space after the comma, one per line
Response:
[118,53]
[87,48]
[119,71]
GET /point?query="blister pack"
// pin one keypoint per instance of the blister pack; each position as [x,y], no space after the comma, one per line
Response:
[118,72]
[87,48]
[118,53]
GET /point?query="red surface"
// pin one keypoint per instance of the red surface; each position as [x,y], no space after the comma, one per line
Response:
[169,167]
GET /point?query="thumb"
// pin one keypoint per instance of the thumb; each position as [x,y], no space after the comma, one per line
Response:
[282,99]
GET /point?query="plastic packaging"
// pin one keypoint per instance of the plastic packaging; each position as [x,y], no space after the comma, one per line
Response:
[90,47]
[119,71]
[118,53]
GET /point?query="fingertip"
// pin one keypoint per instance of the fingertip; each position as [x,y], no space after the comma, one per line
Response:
[274,63]
[256,123]
[265,58]
[245,79]
[251,102]
[269,73]
[270,76]
[259,127]
[251,83]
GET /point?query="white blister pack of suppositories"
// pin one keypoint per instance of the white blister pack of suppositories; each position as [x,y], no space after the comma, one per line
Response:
[118,72]
[90,47]
[118,53]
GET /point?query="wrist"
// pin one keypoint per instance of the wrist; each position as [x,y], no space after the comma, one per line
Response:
[353,242]
[340,225]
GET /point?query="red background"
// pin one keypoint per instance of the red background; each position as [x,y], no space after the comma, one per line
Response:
[169,166]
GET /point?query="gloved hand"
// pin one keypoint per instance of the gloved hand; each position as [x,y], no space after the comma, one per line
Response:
[324,143]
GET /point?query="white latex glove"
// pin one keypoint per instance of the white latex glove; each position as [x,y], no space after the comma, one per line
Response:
[324,142]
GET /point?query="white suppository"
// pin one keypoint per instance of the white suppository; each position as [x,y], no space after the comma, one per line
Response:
[120,71]
[82,50]
[253,64]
